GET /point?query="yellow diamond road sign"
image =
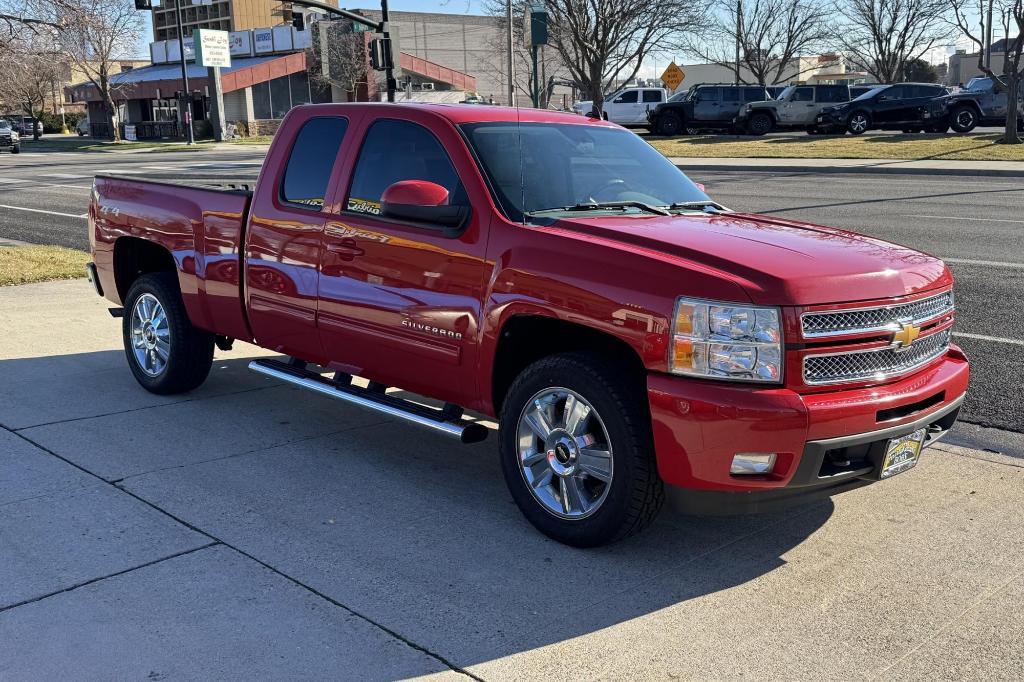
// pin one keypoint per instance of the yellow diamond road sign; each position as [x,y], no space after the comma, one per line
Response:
[673,76]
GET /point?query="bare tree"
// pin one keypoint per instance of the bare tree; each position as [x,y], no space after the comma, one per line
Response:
[968,16]
[604,42]
[883,36]
[94,36]
[29,81]
[771,35]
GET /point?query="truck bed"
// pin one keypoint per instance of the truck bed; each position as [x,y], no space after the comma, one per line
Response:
[200,226]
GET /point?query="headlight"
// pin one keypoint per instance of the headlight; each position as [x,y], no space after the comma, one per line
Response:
[726,341]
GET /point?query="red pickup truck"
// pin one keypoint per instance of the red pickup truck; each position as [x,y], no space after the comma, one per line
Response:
[636,340]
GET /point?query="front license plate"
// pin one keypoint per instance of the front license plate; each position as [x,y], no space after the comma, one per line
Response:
[902,453]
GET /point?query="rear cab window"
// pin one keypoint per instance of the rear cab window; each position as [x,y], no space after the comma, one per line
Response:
[396,150]
[310,162]
[652,95]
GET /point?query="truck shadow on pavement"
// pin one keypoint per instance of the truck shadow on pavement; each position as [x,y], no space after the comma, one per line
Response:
[407,529]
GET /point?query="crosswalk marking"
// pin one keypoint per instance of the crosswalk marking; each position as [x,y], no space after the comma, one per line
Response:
[11,181]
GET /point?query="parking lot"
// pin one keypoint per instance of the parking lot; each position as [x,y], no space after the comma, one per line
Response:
[247,529]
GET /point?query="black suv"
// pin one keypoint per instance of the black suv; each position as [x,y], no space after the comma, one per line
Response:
[901,106]
[704,106]
[981,103]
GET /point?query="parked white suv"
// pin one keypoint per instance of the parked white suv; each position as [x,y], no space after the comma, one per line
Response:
[627,107]
[9,138]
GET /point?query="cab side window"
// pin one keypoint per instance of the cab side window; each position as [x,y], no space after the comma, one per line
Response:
[754,95]
[627,97]
[400,150]
[803,95]
[709,94]
[312,157]
[652,96]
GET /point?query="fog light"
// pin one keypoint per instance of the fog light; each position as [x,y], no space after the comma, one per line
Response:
[745,463]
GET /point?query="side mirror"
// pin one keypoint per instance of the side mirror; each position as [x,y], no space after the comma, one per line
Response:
[422,202]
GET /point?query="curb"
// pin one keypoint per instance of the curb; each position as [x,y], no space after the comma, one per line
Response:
[865,170]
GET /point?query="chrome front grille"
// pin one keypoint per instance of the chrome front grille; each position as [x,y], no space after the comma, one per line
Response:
[875,364]
[877,318]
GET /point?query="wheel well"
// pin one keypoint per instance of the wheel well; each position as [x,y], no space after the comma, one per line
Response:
[527,338]
[970,104]
[134,257]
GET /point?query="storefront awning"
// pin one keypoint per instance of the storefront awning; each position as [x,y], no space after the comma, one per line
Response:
[163,80]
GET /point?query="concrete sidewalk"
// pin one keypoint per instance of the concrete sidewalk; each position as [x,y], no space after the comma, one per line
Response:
[916,167]
[248,530]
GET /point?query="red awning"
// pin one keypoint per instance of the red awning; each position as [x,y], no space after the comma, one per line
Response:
[436,72]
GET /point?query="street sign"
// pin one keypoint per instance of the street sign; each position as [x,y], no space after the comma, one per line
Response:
[673,76]
[212,48]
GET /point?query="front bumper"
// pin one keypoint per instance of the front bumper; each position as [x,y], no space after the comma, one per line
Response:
[700,425]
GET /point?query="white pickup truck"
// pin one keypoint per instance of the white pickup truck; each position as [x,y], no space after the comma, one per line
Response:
[627,107]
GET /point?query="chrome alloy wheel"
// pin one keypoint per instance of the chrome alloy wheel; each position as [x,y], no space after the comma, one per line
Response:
[564,453]
[965,119]
[151,335]
[859,123]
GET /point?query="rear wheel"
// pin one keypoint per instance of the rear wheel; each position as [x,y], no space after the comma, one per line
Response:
[670,124]
[576,450]
[858,123]
[760,124]
[16,149]
[165,352]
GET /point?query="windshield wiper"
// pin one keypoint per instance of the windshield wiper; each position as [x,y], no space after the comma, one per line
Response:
[603,206]
[702,205]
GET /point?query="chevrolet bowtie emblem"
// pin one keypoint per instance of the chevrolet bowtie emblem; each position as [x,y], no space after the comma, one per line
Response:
[906,336]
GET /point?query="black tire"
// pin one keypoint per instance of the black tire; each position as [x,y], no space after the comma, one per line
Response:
[635,492]
[858,123]
[963,118]
[760,124]
[190,352]
[911,131]
[670,124]
[937,129]
[16,149]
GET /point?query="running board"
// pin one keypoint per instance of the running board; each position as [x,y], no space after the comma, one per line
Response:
[378,401]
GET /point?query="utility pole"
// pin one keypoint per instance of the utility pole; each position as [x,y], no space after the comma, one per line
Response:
[739,34]
[988,38]
[511,56]
[389,72]
[186,99]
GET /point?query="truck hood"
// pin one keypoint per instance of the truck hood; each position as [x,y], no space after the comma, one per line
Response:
[777,262]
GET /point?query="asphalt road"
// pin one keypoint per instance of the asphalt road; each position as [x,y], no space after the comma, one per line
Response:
[975,223]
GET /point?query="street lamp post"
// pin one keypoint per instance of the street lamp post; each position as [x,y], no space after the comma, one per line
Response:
[186,94]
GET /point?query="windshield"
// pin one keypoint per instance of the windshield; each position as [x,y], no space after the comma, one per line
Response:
[871,93]
[679,96]
[979,85]
[567,165]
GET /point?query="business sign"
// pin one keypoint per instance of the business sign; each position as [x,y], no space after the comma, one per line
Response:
[240,43]
[263,40]
[174,54]
[129,132]
[211,48]
[283,38]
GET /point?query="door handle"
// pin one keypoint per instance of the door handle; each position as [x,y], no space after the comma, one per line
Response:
[346,249]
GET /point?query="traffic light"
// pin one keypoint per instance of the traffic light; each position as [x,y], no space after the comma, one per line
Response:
[380,54]
[144,4]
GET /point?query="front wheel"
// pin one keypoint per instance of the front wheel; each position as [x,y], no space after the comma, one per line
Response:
[165,352]
[760,124]
[16,149]
[669,124]
[963,119]
[577,452]
[858,123]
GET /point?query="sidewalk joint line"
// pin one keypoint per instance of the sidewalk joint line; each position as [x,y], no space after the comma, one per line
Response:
[217,541]
[91,581]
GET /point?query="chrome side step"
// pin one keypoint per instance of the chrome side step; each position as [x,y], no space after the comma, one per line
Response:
[378,401]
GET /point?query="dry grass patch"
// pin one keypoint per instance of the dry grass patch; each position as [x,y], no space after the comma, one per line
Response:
[25,264]
[981,147]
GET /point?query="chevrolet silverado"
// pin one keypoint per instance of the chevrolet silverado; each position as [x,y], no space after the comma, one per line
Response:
[634,339]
